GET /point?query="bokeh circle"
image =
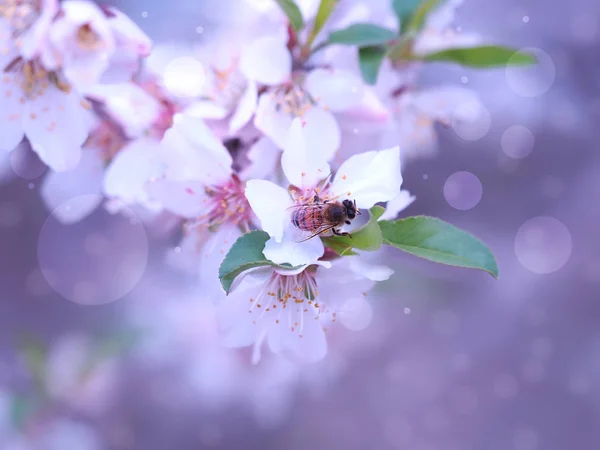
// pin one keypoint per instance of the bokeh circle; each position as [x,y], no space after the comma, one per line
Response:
[463,190]
[533,80]
[93,262]
[517,141]
[543,245]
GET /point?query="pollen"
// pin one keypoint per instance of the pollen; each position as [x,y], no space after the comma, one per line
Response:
[349,194]
[344,177]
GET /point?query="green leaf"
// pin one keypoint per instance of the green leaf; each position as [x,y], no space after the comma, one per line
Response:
[326,7]
[414,14]
[246,253]
[438,241]
[362,34]
[21,409]
[293,13]
[404,9]
[370,59]
[484,56]
[368,238]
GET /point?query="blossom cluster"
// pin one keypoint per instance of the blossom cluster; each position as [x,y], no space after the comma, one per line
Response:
[275,137]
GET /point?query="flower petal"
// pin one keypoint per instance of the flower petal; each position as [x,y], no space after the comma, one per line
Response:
[290,250]
[136,164]
[56,125]
[336,90]
[245,109]
[183,198]
[264,158]
[32,39]
[369,177]
[302,163]
[206,110]
[11,113]
[84,181]
[273,122]
[402,201]
[128,34]
[271,205]
[322,132]
[266,60]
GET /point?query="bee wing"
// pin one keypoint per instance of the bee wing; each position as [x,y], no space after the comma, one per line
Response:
[320,230]
[306,205]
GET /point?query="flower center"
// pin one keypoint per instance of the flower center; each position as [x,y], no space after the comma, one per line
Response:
[87,38]
[107,138]
[226,203]
[293,100]
[20,14]
[168,108]
[290,300]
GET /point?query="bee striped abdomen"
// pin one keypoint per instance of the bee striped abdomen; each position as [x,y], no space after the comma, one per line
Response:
[308,219]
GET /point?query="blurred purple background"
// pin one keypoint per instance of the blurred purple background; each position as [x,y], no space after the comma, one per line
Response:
[453,359]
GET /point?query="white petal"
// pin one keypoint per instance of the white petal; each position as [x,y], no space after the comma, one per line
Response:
[304,347]
[84,181]
[183,198]
[128,34]
[271,205]
[206,110]
[290,250]
[441,102]
[370,108]
[264,158]
[11,114]
[194,152]
[402,201]
[369,177]
[56,125]
[364,269]
[136,164]
[273,123]
[212,254]
[245,109]
[303,163]
[267,60]
[322,132]
[32,39]
[336,90]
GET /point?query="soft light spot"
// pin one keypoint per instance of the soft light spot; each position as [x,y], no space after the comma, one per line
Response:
[533,371]
[88,263]
[525,19]
[543,245]
[463,190]
[26,163]
[356,314]
[517,141]
[407,310]
[145,14]
[471,120]
[525,439]
[585,26]
[185,77]
[199,29]
[533,80]
[464,80]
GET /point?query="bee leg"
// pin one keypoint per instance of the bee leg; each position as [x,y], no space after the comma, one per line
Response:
[316,199]
[348,222]
[340,233]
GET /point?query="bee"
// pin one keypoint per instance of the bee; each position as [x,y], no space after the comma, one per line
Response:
[319,216]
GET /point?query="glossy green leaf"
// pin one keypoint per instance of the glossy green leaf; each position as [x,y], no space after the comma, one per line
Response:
[404,9]
[326,7]
[362,34]
[484,56]
[368,238]
[246,253]
[370,59]
[438,241]
[293,13]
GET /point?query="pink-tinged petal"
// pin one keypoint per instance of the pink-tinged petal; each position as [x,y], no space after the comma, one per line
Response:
[31,41]
[369,177]
[336,90]
[271,205]
[84,182]
[128,34]
[184,198]
[206,110]
[364,269]
[131,106]
[11,112]
[264,158]
[302,163]
[57,125]
[369,109]
[195,152]
[136,164]
[402,201]
[291,250]
[322,132]
[267,60]
[245,109]
[272,121]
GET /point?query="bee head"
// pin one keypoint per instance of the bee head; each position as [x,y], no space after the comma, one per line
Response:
[351,209]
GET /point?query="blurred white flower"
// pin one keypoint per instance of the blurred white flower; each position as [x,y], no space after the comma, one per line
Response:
[366,178]
[291,309]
